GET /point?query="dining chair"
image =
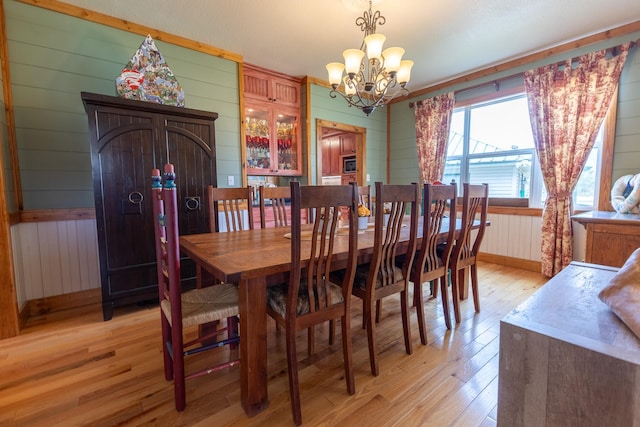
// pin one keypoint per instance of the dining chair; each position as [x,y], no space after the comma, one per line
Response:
[475,201]
[277,197]
[179,310]
[364,196]
[231,203]
[310,297]
[382,277]
[432,256]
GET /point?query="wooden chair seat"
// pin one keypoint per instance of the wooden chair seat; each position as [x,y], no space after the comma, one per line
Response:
[205,305]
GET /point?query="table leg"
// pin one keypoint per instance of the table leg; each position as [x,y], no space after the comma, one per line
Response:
[253,346]
[463,287]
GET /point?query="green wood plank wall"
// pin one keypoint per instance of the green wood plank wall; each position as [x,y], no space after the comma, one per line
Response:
[53,57]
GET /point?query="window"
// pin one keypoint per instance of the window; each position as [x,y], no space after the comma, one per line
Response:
[492,142]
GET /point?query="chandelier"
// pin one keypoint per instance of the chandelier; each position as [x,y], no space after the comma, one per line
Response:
[370,82]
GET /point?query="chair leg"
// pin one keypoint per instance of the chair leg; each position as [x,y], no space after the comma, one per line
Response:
[311,340]
[166,337]
[332,331]
[455,277]
[347,355]
[292,366]
[434,288]
[371,338]
[178,369]
[474,287]
[406,325]
[445,301]
[232,324]
[378,310]
[417,300]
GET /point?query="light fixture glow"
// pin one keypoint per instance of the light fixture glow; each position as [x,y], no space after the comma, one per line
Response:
[369,83]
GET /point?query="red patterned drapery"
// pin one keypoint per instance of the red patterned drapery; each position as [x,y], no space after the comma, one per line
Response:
[567,105]
[433,119]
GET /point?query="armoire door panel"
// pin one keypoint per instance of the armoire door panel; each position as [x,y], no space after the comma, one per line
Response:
[129,139]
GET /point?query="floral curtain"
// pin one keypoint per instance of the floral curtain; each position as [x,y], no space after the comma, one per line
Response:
[433,118]
[567,105]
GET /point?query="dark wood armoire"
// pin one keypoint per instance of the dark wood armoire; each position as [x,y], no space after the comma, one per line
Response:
[128,139]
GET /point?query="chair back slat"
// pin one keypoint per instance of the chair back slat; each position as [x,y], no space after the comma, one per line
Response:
[277,197]
[231,202]
[440,208]
[399,200]
[475,201]
[165,211]
[325,201]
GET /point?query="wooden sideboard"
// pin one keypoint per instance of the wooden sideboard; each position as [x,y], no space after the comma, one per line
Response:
[611,236]
[565,357]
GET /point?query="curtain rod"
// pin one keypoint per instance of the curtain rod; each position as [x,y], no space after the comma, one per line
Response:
[496,83]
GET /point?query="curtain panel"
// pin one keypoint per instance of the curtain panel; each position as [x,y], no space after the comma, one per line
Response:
[567,104]
[433,119]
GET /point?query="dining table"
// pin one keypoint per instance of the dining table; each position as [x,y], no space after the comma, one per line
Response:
[255,259]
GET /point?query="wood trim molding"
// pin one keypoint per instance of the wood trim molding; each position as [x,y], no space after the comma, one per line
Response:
[10,118]
[65,301]
[306,86]
[524,264]
[519,62]
[57,215]
[606,162]
[121,24]
[9,321]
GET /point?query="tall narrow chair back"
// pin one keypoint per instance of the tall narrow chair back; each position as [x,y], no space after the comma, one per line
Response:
[475,201]
[382,277]
[277,198]
[311,296]
[231,203]
[364,196]
[182,310]
[432,257]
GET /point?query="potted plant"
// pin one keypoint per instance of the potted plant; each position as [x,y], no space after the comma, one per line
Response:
[363,216]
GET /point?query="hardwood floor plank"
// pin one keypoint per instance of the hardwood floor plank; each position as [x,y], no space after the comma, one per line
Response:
[71,368]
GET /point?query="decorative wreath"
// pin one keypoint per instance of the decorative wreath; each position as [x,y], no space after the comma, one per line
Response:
[625,194]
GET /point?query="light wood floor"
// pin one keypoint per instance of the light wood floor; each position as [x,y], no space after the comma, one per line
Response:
[74,369]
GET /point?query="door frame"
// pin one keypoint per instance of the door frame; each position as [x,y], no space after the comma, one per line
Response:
[361,147]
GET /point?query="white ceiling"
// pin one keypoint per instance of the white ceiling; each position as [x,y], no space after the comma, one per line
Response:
[445,38]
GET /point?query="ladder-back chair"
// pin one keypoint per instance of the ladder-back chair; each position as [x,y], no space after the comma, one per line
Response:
[231,204]
[178,310]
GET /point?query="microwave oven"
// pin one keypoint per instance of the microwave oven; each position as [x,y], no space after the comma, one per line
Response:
[349,164]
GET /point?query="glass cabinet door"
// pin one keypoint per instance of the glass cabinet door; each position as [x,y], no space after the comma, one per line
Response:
[258,139]
[287,143]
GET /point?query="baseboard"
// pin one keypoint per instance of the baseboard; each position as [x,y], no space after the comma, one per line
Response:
[63,302]
[524,264]
[23,316]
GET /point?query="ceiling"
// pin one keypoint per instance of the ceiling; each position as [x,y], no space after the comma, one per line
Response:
[445,39]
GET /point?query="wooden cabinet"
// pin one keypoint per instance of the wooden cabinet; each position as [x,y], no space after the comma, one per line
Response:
[128,139]
[348,178]
[273,138]
[331,160]
[348,144]
[611,237]
[566,359]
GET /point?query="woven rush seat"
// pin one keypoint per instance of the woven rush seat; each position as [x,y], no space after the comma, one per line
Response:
[277,298]
[205,305]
